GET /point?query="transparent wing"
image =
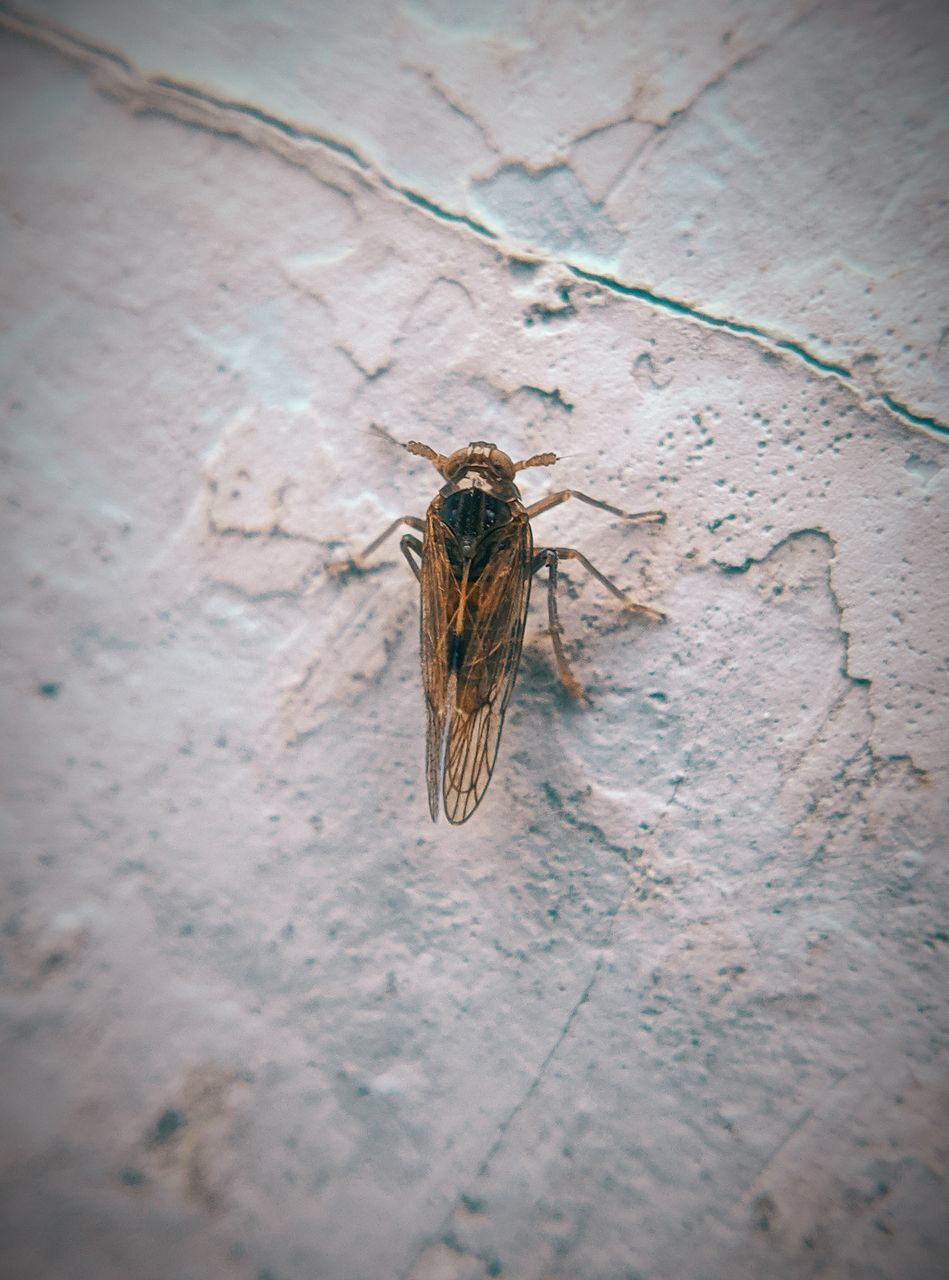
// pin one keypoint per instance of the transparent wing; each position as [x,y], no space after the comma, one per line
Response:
[439,601]
[472,633]
[471,750]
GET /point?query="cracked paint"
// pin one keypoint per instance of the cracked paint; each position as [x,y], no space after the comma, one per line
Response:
[671,1004]
[527,211]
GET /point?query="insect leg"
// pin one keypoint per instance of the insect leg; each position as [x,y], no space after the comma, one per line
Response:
[549,557]
[357,563]
[570,553]
[408,545]
[555,499]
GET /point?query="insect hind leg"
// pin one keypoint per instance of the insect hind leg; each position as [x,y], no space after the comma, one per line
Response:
[630,606]
[548,557]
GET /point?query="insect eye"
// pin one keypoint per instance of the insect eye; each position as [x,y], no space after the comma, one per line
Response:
[503,463]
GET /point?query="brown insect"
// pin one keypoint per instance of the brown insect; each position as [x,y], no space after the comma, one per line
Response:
[475,563]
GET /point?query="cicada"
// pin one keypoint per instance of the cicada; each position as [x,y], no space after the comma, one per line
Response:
[474,564]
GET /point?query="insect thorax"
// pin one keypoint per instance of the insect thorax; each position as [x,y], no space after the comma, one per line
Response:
[473,509]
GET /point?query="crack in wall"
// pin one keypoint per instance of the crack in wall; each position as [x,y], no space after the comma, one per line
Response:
[737,327]
[443,1235]
[743,60]
[445,215]
[553,398]
[661,127]
[117,77]
[879,768]
[431,78]
[222,585]
[370,375]
[275,531]
[543,1068]
[917,419]
[794,536]
[582,825]
[770,343]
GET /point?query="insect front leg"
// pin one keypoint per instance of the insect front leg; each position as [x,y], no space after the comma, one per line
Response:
[644,611]
[555,499]
[357,564]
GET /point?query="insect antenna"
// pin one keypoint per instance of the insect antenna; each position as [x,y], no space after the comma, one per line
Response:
[411,446]
[538,460]
[381,432]
[437,460]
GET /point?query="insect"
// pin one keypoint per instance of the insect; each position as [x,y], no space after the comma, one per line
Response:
[474,563]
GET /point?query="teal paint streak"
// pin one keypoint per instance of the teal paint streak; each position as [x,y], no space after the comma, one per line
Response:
[445,214]
[338,148]
[931,424]
[263,117]
[938,428]
[716,322]
[575,215]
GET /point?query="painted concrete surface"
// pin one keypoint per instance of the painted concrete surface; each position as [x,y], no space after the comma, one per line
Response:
[672,1003]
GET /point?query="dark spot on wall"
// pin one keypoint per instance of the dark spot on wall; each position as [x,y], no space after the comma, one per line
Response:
[167,1125]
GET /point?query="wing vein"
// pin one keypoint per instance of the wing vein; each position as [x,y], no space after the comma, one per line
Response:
[477,625]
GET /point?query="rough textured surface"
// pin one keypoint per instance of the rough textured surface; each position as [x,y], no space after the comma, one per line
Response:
[673,1003]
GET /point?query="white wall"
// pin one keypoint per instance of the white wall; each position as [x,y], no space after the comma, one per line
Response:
[669,1005]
